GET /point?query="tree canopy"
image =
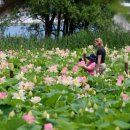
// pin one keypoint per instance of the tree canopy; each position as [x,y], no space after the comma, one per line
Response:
[69,14]
[75,14]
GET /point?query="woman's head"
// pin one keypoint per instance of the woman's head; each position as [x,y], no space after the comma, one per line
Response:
[98,42]
[91,58]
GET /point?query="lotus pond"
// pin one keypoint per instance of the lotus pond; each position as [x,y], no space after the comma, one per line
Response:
[50,91]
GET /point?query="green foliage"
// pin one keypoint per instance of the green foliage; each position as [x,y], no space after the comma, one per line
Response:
[74,12]
[121,124]
[64,103]
[117,39]
[11,124]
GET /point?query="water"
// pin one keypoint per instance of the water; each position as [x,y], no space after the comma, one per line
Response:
[17,30]
[22,31]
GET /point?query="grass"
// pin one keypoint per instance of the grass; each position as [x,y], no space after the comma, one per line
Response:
[80,39]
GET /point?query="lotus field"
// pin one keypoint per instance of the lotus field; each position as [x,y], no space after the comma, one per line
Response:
[49,90]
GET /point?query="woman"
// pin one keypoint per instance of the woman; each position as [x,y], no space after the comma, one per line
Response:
[100,56]
[90,67]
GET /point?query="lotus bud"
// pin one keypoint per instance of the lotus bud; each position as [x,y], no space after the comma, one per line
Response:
[121,94]
[30,71]
[30,93]
[89,104]
[46,115]
[86,109]
[120,109]
[30,112]
[40,83]
[126,58]
[18,106]
[12,114]
[11,66]
[117,128]
[95,106]
[28,51]
[123,104]
[72,114]
[123,87]
[81,111]
[63,92]
[84,50]
[106,110]
[34,107]
[94,92]
[35,79]
[55,115]
[90,89]
[104,99]
[1,112]
[96,82]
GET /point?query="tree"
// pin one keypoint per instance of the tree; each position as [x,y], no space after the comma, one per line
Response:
[49,10]
[11,4]
[74,13]
[70,14]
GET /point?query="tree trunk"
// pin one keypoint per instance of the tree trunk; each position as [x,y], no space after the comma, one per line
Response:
[64,28]
[71,27]
[49,24]
[48,28]
[66,25]
[58,26]
[86,24]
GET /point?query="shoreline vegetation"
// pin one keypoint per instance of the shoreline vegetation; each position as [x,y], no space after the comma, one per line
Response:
[115,39]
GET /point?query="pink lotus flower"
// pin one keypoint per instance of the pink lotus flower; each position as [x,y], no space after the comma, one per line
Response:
[3,95]
[119,82]
[82,79]
[53,68]
[2,80]
[29,118]
[49,80]
[1,52]
[30,66]
[63,77]
[125,97]
[87,87]
[81,63]
[15,53]
[35,99]
[64,70]
[48,126]
[120,77]
[75,68]
[67,50]
[128,49]
[4,64]
[65,80]
[24,69]
[10,51]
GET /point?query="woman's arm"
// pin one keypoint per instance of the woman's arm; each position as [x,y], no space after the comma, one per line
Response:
[99,59]
[90,67]
[98,62]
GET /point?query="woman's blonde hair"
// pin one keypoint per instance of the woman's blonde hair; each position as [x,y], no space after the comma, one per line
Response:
[100,42]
